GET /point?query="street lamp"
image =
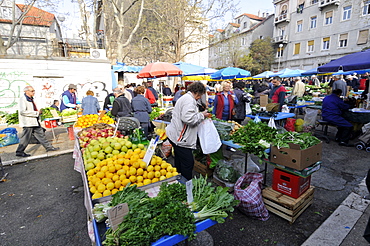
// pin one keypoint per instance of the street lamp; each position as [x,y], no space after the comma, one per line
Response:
[61,18]
[280,49]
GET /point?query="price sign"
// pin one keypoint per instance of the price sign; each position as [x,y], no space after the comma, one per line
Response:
[189,191]
[116,214]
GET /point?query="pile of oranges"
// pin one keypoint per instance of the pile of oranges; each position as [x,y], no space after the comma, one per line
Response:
[113,174]
[91,119]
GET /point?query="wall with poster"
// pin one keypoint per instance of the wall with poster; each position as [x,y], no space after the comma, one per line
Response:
[50,78]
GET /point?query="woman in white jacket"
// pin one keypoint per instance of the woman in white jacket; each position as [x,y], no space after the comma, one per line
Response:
[182,131]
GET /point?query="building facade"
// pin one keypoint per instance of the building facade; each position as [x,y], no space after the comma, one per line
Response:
[228,45]
[310,33]
[39,31]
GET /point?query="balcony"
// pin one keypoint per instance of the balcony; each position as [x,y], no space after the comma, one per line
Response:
[282,18]
[277,1]
[323,3]
[281,39]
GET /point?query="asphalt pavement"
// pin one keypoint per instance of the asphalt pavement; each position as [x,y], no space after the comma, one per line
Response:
[41,202]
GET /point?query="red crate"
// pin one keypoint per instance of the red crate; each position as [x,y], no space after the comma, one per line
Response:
[50,123]
[290,184]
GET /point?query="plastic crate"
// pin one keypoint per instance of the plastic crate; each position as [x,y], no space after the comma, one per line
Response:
[50,123]
[290,184]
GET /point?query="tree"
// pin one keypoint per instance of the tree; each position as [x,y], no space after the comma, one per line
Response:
[10,36]
[174,29]
[260,57]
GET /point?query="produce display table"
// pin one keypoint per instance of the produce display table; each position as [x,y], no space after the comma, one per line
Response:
[280,117]
[163,241]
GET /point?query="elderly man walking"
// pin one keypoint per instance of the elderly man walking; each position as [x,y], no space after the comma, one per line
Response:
[29,120]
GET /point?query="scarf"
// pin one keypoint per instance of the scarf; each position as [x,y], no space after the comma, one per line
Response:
[30,99]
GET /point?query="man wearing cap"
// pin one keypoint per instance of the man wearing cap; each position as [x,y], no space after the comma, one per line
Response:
[69,98]
[315,81]
[28,115]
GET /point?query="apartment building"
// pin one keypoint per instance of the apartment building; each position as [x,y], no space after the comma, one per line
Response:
[310,33]
[229,44]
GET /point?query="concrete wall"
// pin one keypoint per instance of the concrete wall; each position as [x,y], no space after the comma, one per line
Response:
[50,77]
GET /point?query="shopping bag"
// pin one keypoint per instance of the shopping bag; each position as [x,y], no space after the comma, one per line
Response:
[8,136]
[272,123]
[248,191]
[208,137]
[248,109]
[289,125]
[257,119]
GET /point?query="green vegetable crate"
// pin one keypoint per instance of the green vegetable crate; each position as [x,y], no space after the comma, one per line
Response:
[285,206]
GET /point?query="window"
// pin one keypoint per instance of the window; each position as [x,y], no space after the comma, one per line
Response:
[245,25]
[310,45]
[325,43]
[363,36]
[244,41]
[299,26]
[280,52]
[220,49]
[366,9]
[282,31]
[328,18]
[297,48]
[284,9]
[313,22]
[314,1]
[347,12]
[343,40]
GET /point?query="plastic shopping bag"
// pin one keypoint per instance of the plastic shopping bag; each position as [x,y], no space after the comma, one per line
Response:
[208,136]
[8,136]
[257,119]
[272,123]
[248,191]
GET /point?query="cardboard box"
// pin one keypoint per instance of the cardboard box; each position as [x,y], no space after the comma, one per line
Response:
[264,100]
[296,158]
[290,184]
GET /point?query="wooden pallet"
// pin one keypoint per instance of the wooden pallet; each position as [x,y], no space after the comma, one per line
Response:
[202,169]
[285,206]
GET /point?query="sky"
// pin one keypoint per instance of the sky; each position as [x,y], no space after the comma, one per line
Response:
[251,7]
[69,9]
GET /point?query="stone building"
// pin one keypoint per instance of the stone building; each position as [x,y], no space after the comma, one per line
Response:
[229,44]
[310,33]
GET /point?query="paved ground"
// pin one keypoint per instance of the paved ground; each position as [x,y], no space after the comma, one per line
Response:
[41,203]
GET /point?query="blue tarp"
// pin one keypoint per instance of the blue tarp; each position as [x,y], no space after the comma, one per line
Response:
[266,74]
[293,73]
[310,72]
[230,73]
[121,67]
[189,69]
[351,62]
[281,72]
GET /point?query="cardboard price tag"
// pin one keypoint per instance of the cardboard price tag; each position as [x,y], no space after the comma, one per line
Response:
[189,191]
[102,113]
[116,214]
[54,113]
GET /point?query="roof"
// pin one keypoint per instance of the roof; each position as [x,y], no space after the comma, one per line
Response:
[254,17]
[35,17]
[258,24]
[234,24]
[220,30]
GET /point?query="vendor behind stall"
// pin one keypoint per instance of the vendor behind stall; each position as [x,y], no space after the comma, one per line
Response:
[332,108]
[277,93]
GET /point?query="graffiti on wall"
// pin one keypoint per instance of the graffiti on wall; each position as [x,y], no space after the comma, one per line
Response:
[47,90]
[11,87]
[99,88]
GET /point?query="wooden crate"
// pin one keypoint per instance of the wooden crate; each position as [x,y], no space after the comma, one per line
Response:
[70,118]
[202,169]
[287,207]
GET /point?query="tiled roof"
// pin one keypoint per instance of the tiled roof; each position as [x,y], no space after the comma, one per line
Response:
[35,17]
[255,17]
[220,30]
[234,24]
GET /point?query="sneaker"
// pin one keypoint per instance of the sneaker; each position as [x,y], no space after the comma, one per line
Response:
[231,149]
[22,155]
[53,149]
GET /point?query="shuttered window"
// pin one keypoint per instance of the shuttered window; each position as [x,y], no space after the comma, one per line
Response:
[328,18]
[325,43]
[343,40]
[310,45]
[363,36]
[297,48]
[299,26]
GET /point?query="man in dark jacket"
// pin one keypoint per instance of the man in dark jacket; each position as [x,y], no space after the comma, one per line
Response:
[332,108]
[121,105]
[108,102]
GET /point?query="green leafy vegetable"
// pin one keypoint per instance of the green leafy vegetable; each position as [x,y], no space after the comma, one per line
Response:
[305,140]
[68,112]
